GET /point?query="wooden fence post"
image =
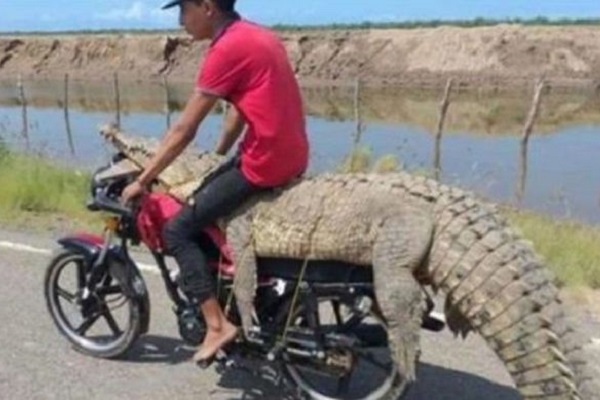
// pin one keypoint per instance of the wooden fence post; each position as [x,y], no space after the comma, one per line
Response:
[117,98]
[527,130]
[534,111]
[523,164]
[167,100]
[437,156]
[357,114]
[66,113]
[24,117]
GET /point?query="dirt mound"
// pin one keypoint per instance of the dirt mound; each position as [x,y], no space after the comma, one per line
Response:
[499,55]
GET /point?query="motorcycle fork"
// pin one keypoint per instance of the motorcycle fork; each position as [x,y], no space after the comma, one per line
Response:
[99,267]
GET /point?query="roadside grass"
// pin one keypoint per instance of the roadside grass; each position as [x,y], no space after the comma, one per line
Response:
[570,249]
[31,185]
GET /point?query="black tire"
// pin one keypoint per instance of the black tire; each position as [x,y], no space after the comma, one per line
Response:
[392,388]
[397,390]
[105,346]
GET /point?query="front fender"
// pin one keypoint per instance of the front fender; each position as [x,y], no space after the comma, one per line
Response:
[87,245]
[120,265]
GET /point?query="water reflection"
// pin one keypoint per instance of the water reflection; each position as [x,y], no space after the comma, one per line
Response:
[67,118]
[522,182]
[557,172]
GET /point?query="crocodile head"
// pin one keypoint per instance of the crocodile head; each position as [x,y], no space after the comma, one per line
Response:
[182,177]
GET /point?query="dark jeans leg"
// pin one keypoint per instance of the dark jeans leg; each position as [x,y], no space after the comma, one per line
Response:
[225,192]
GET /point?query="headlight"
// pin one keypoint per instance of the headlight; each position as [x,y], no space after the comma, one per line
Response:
[112,224]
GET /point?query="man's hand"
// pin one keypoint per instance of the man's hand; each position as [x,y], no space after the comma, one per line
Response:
[133,190]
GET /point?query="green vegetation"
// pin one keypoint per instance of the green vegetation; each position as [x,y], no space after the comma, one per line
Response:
[571,250]
[360,160]
[467,23]
[95,32]
[32,184]
[470,23]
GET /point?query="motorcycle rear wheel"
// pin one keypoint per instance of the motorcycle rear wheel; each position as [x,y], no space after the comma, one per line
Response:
[309,386]
[79,319]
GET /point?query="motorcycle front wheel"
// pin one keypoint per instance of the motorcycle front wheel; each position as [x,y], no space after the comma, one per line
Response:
[103,323]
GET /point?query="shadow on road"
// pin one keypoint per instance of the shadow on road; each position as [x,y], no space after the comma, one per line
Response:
[434,383]
[262,383]
[444,384]
[159,349]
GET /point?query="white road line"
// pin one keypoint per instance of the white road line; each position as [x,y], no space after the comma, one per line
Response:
[30,249]
[24,247]
[596,341]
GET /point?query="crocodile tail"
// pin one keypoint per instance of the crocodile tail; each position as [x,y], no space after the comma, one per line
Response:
[495,285]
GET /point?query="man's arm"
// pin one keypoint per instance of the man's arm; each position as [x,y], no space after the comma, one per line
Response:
[179,136]
[233,127]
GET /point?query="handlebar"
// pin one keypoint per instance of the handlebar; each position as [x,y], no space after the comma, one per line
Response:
[103,202]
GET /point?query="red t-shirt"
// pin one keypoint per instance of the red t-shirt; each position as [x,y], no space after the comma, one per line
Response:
[248,66]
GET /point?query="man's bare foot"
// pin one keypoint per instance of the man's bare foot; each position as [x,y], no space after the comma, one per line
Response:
[214,340]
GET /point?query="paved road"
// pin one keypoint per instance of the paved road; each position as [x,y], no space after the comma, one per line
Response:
[37,363]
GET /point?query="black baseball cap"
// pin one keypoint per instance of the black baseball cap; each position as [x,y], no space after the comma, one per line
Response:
[172,4]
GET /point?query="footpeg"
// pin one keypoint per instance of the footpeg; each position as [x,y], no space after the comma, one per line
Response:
[221,358]
[230,361]
[205,364]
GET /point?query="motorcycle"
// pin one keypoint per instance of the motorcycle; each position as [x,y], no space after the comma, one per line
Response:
[317,322]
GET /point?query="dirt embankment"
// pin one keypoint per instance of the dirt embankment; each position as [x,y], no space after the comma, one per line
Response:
[490,56]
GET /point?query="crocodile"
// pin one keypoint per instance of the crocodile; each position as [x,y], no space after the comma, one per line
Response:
[421,233]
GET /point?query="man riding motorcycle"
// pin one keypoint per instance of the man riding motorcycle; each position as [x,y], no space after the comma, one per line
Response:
[246,65]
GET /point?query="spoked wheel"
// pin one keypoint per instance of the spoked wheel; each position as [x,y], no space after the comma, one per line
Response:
[364,372]
[104,323]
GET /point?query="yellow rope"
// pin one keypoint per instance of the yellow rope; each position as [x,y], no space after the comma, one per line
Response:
[301,278]
[294,299]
